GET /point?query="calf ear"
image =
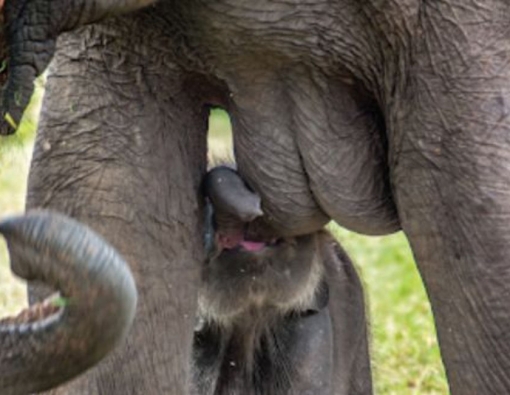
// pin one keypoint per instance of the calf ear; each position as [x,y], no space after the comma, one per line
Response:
[29,30]
[348,317]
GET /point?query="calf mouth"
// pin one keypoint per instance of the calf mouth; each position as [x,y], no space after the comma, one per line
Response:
[244,239]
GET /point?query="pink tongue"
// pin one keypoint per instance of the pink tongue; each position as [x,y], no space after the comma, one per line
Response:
[252,245]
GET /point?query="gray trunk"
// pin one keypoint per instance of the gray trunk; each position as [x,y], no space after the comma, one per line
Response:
[45,345]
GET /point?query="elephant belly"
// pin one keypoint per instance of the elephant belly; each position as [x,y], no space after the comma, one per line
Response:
[309,136]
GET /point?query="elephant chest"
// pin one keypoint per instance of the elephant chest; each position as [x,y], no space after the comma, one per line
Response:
[232,35]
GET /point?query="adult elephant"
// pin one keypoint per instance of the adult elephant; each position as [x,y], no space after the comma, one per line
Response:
[379,114]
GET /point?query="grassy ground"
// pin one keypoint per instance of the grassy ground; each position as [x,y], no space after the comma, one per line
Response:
[404,348]
[405,352]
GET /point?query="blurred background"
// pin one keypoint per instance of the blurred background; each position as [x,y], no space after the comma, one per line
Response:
[404,349]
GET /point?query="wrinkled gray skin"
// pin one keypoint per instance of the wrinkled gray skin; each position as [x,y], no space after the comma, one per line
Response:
[277,315]
[47,345]
[381,114]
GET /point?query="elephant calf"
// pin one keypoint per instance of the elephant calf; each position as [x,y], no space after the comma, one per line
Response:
[276,315]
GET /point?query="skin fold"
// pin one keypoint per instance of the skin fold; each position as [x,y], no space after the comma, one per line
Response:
[382,115]
[266,323]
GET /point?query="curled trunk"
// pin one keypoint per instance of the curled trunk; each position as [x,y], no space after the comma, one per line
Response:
[47,344]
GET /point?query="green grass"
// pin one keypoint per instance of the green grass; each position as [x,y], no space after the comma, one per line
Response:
[15,153]
[404,348]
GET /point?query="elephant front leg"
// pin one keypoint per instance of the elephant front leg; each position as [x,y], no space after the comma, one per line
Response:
[122,147]
[451,173]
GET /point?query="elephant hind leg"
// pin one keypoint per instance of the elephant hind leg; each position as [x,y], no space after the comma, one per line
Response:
[453,197]
[450,173]
[462,247]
